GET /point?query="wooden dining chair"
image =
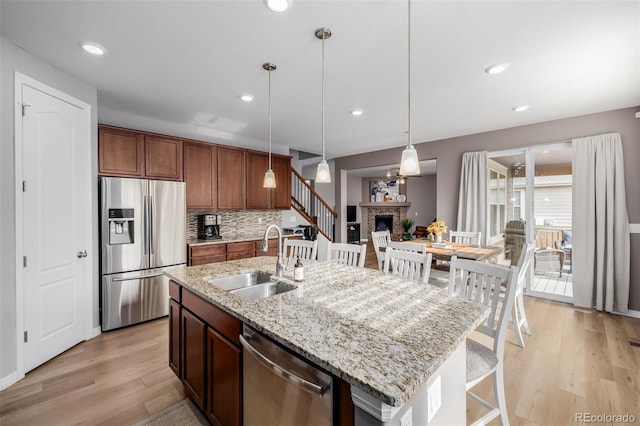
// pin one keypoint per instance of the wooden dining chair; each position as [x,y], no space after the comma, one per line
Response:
[481,283]
[380,239]
[411,265]
[465,237]
[415,247]
[348,254]
[302,249]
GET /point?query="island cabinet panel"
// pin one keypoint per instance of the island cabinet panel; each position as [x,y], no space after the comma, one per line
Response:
[194,334]
[231,178]
[224,323]
[281,195]
[200,161]
[163,158]
[200,255]
[241,250]
[120,152]
[258,197]
[174,338]
[224,362]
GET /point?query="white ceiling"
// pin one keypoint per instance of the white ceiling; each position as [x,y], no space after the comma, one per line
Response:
[178,67]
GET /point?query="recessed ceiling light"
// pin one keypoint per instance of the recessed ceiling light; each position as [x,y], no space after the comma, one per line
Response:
[93,48]
[278,5]
[546,151]
[496,69]
[246,97]
[357,112]
[521,108]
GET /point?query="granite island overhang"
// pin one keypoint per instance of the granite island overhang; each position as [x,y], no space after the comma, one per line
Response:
[383,335]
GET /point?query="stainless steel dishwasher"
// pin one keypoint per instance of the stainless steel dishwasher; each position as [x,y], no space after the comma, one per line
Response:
[281,389]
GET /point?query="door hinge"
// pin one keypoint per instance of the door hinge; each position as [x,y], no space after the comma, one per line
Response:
[26,336]
[24,186]
[24,109]
[24,261]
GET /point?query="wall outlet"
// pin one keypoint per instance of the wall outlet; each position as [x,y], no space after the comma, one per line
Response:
[434,398]
[407,418]
[259,221]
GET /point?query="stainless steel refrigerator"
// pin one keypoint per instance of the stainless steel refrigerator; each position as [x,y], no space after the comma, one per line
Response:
[142,231]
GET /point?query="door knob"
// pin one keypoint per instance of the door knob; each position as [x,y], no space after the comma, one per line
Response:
[82,254]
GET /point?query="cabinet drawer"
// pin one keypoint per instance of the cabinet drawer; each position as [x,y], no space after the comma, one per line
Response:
[174,290]
[224,323]
[242,246]
[241,255]
[196,251]
[203,260]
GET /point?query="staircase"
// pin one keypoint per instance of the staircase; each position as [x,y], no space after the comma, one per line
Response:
[306,201]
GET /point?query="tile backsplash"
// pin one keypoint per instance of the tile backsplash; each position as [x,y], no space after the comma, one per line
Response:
[236,222]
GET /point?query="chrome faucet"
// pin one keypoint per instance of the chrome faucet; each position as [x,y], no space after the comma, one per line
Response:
[265,247]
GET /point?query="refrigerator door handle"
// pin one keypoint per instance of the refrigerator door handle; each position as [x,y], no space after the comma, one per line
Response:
[139,277]
[145,226]
[150,227]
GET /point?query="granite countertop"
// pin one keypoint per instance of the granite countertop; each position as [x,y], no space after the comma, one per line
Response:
[383,334]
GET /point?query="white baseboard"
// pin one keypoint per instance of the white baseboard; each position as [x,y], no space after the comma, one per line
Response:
[94,333]
[629,313]
[9,380]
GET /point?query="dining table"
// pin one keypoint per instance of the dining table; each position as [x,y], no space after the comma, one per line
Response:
[448,249]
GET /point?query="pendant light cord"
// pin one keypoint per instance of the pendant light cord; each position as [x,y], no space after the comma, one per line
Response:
[323,37]
[409,69]
[269,117]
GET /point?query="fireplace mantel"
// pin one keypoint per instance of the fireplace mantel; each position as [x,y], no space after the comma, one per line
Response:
[384,204]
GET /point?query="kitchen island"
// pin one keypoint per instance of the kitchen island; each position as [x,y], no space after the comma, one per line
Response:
[388,338]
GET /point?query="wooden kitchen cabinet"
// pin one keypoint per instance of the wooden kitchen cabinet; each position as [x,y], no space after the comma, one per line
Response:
[281,195]
[200,176]
[194,331]
[120,152]
[130,153]
[212,253]
[174,337]
[258,197]
[163,158]
[231,178]
[241,250]
[224,364]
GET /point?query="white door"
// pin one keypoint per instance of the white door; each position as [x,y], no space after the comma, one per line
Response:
[56,232]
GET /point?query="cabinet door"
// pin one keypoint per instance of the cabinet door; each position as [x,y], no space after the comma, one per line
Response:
[120,152]
[194,334]
[281,195]
[258,197]
[231,178]
[174,337]
[163,158]
[200,176]
[224,392]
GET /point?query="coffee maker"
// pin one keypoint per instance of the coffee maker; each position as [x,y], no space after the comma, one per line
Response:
[209,226]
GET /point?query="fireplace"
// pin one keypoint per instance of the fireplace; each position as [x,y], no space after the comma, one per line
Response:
[384,223]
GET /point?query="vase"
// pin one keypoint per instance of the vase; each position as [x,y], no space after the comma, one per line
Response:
[438,238]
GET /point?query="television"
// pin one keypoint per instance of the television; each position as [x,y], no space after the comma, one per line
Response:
[351,213]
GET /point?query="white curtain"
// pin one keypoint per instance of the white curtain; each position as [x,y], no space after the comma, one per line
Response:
[472,200]
[600,224]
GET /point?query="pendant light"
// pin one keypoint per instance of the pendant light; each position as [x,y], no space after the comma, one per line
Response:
[269,176]
[409,165]
[323,175]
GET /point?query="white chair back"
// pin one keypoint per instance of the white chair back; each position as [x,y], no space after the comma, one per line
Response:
[519,317]
[525,263]
[465,237]
[399,245]
[408,264]
[380,239]
[348,254]
[303,249]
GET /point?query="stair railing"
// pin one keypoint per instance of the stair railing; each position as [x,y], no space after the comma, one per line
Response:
[306,201]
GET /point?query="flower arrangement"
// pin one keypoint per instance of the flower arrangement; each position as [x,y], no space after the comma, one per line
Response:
[437,227]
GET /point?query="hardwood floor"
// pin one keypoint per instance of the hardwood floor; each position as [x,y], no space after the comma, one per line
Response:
[576,361]
[117,378]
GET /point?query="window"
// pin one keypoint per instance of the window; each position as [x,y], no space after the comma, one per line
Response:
[497,201]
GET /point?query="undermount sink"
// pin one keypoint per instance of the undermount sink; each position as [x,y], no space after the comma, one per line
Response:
[260,291]
[251,285]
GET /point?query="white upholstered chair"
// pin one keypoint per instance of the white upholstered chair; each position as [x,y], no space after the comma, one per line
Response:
[465,237]
[347,254]
[411,265]
[481,282]
[380,239]
[519,317]
[303,249]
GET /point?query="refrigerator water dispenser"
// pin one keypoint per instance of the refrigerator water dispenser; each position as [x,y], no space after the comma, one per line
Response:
[121,226]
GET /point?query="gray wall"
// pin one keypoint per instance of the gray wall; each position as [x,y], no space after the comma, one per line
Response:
[421,192]
[12,59]
[354,197]
[448,153]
